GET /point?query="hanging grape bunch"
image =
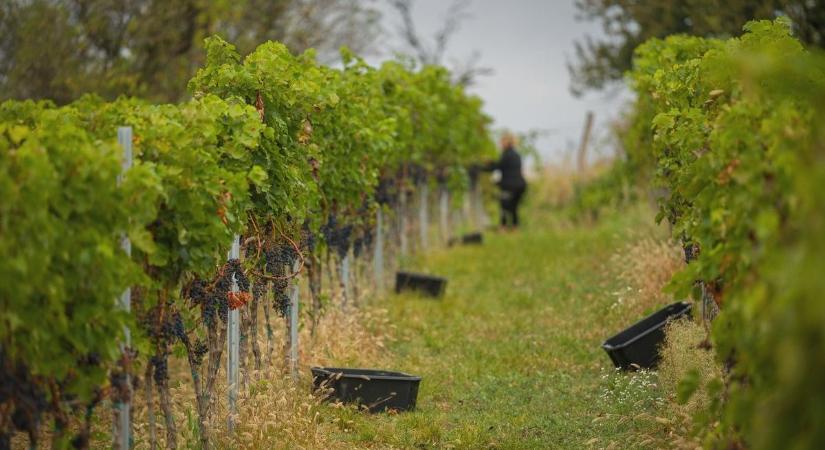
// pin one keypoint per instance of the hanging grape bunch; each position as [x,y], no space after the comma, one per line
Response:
[328,229]
[308,241]
[200,351]
[358,245]
[383,196]
[281,297]
[21,389]
[368,236]
[259,288]
[160,364]
[223,286]
[279,258]
[199,294]
[338,237]
[362,242]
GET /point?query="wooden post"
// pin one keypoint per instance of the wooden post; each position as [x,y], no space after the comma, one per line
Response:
[233,340]
[588,125]
[123,423]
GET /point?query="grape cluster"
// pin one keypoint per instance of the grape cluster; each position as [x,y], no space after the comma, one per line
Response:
[417,173]
[278,256]
[691,252]
[383,192]
[234,266]
[200,350]
[473,172]
[281,297]
[120,386]
[258,289]
[178,330]
[223,285]
[357,246]
[308,241]
[19,388]
[199,293]
[159,362]
[338,237]
[362,242]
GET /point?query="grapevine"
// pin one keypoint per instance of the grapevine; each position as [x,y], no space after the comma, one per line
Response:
[270,138]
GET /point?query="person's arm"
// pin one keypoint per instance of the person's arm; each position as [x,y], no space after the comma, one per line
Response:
[491,166]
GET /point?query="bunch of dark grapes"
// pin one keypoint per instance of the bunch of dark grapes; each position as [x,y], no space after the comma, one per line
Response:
[281,297]
[357,246]
[383,195]
[473,171]
[279,256]
[120,386]
[258,289]
[417,173]
[691,252]
[159,362]
[342,241]
[219,295]
[200,351]
[368,237]
[338,237]
[362,242]
[19,388]
[308,241]
[178,330]
[200,294]
[234,266]
[328,229]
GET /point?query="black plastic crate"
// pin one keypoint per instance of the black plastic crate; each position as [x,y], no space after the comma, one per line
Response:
[377,390]
[638,346]
[425,284]
[469,238]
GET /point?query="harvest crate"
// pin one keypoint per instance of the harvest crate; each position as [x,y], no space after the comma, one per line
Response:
[469,238]
[376,390]
[638,346]
[427,284]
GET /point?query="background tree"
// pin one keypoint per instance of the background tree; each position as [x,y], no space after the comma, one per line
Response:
[628,23]
[432,51]
[60,49]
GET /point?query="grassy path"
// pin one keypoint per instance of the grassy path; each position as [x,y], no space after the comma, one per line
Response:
[510,358]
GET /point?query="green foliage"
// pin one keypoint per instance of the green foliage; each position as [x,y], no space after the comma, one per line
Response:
[271,141]
[737,143]
[60,221]
[628,24]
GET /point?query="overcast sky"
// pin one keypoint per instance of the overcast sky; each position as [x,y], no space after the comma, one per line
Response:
[527,44]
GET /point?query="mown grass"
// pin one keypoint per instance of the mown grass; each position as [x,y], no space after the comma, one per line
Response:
[511,357]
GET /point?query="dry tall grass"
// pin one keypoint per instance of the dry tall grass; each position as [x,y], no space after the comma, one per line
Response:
[645,267]
[273,410]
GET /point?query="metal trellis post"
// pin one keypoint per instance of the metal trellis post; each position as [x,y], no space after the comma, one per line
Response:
[423,219]
[292,336]
[378,256]
[123,426]
[233,340]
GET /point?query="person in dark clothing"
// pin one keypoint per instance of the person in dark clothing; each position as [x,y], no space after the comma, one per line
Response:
[512,183]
